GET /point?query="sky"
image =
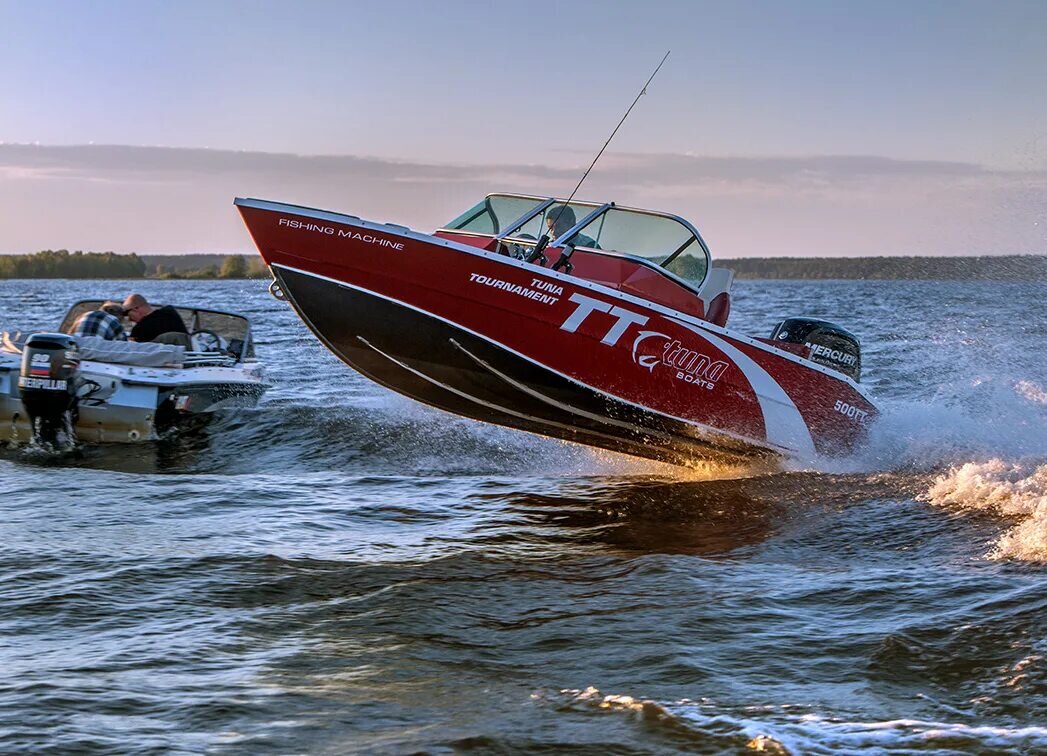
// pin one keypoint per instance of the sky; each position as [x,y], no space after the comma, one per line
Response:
[778,128]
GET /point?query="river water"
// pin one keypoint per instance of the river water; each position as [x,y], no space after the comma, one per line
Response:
[342,570]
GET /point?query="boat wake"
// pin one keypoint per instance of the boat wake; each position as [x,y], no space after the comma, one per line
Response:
[391,436]
[799,729]
[982,448]
[974,422]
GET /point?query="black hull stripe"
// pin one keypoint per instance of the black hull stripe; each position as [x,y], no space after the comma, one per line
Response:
[431,366]
[552,428]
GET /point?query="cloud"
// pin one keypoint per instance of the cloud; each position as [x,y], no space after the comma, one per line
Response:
[160,199]
[690,169]
[157,163]
[163,163]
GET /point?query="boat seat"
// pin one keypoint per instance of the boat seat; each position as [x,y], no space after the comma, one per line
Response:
[144,354]
[174,337]
[719,309]
[716,295]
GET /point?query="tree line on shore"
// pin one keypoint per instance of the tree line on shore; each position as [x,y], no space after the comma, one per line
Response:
[984,268]
[61,263]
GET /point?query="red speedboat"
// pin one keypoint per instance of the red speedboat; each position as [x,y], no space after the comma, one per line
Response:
[595,323]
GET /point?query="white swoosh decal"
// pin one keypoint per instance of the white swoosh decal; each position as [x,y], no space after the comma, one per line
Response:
[783,422]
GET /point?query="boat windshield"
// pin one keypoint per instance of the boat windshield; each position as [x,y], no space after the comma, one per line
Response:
[234,331]
[519,221]
[539,224]
[494,214]
[663,239]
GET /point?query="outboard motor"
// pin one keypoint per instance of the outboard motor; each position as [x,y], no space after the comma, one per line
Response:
[828,344]
[48,384]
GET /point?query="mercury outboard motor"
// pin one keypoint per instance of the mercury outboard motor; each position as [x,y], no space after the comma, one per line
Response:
[48,384]
[828,344]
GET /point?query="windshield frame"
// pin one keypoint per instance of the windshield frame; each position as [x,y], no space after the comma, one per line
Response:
[485,207]
[523,219]
[192,322]
[563,238]
[546,201]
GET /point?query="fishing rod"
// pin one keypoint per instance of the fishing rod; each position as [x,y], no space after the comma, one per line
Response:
[544,240]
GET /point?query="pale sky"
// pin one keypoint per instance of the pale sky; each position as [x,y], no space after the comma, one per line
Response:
[801,128]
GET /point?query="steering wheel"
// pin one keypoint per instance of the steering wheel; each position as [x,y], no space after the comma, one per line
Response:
[208,341]
[517,251]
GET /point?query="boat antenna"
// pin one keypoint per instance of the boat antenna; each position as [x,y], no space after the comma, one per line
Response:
[643,90]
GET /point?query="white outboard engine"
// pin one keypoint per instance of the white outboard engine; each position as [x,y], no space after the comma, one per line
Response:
[828,344]
[48,387]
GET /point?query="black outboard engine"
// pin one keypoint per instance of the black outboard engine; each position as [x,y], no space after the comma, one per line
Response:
[828,344]
[48,384]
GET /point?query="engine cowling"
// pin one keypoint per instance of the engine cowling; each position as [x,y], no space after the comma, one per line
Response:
[47,386]
[828,344]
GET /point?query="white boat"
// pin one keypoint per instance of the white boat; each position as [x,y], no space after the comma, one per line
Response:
[60,390]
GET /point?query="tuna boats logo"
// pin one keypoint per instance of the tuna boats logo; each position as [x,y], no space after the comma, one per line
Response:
[651,348]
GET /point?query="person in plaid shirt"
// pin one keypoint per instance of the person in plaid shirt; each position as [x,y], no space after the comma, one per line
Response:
[103,322]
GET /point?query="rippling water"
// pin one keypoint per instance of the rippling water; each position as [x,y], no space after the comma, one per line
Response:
[342,570]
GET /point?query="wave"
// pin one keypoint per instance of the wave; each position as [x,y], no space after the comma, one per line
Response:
[392,435]
[985,443]
[1016,490]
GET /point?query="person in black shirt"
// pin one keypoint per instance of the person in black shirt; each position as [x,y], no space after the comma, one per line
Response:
[151,321]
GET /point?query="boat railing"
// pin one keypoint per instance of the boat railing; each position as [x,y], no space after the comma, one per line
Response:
[208,359]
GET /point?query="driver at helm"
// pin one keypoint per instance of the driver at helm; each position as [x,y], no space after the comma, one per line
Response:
[151,322]
[559,220]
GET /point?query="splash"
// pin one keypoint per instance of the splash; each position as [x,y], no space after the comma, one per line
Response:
[1012,489]
[979,421]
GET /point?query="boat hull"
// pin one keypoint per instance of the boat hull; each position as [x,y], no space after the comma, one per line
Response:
[519,345]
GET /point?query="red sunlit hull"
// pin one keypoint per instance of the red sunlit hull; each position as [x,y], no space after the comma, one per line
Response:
[519,345]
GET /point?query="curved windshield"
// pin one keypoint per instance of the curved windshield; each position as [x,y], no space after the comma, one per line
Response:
[230,328]
[555,220]
[655,237]
[519,221]
[691,264]
[494,214]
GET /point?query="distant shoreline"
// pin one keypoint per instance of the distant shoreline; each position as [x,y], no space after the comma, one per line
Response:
[984,268]
[62,264]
